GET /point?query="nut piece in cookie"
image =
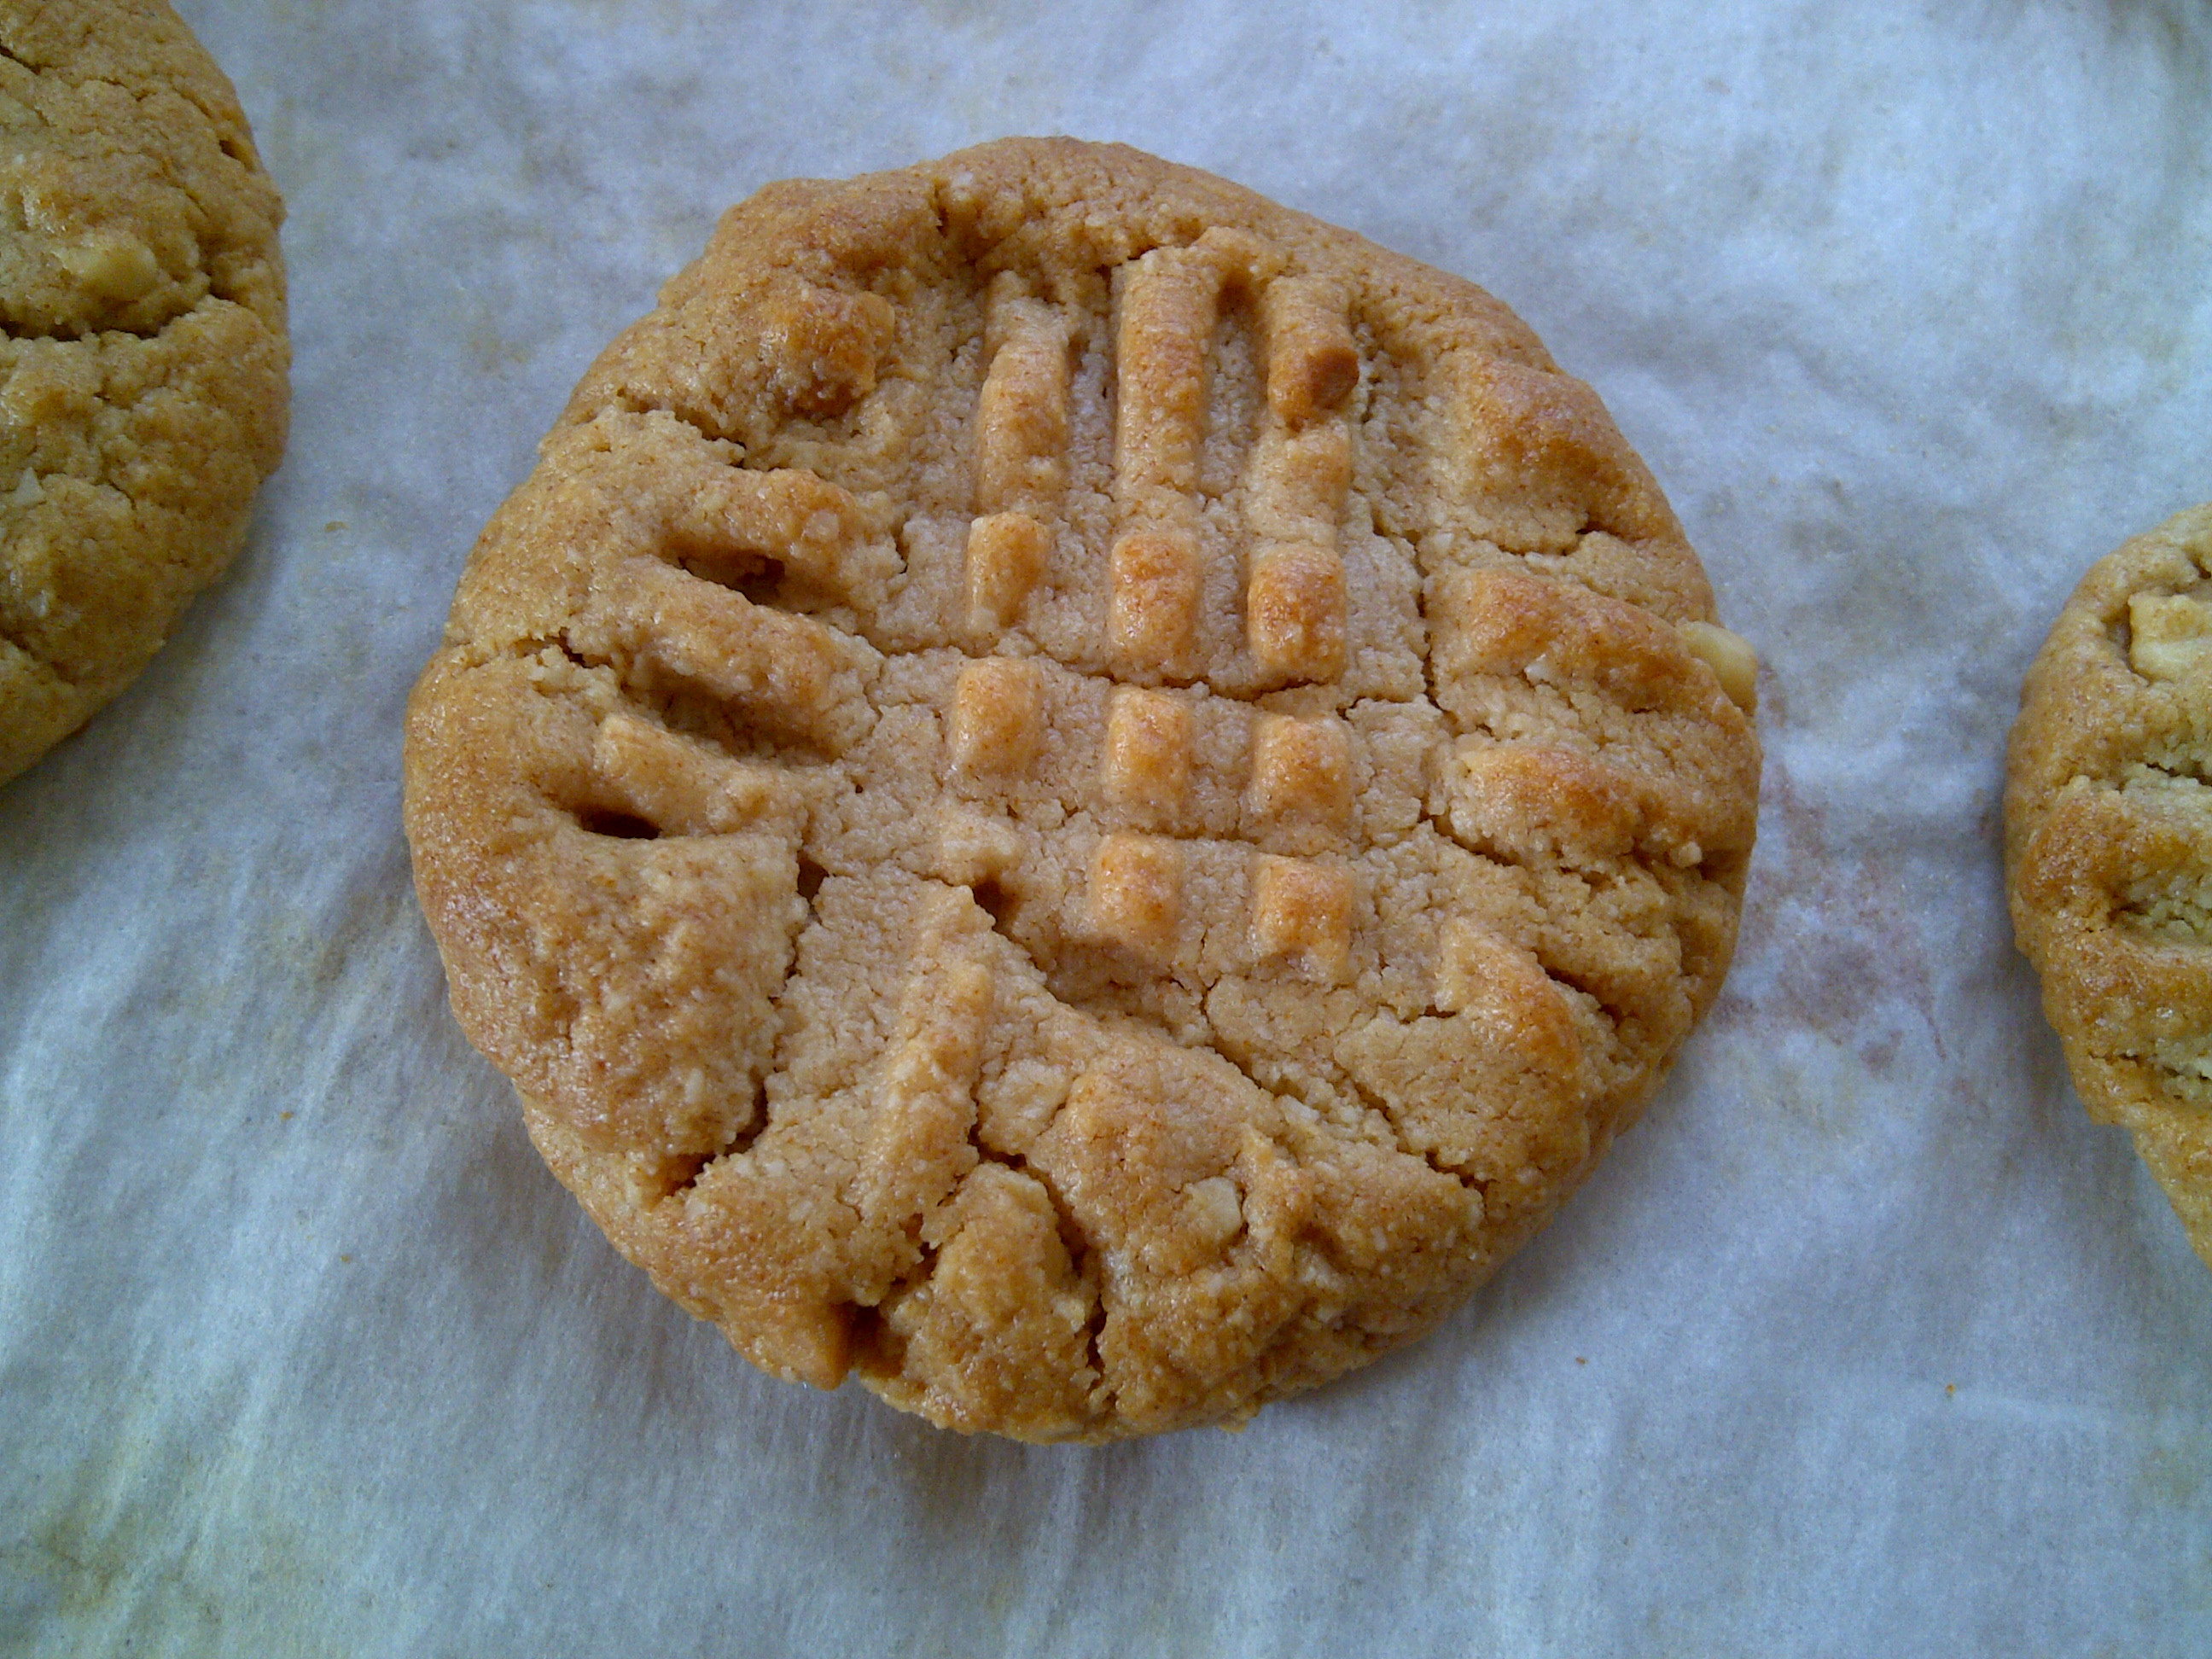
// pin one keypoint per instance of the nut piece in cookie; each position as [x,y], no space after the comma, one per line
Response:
[1077,795]
[143,358]
[2108,848]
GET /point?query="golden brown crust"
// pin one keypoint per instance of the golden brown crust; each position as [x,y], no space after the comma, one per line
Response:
[142,356]
[2108,848]
[1077,794]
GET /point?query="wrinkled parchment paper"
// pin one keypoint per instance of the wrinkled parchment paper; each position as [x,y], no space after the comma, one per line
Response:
[1865,1341]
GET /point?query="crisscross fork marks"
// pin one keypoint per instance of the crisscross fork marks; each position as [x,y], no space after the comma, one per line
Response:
[1299,471]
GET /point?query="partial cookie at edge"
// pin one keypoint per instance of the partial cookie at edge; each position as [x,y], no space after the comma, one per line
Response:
[2108,848]
[142,367]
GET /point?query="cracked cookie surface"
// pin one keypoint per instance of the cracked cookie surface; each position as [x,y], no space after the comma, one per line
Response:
[2108,848]
[1077,794]
[143,352]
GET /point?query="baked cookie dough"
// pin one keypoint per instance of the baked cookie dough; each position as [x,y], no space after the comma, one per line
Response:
[143,355]
[2108,848]
[1076,795]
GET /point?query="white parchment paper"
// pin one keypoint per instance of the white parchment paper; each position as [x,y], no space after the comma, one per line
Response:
[1863,1342]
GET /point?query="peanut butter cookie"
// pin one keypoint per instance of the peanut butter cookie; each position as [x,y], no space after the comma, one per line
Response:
[2108,848]
[1078,795]
[143,355]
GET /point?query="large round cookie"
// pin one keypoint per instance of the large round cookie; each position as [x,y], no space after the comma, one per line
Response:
[2108,848]
[1076,794]
[142,357]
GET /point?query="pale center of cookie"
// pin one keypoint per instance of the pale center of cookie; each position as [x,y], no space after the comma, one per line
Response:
[1299,474]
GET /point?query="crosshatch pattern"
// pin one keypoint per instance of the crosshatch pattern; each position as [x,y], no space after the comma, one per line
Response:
[1077,794]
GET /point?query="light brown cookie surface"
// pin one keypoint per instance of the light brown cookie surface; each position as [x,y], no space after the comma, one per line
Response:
[142,354]
[2108,848]
[1076,794]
